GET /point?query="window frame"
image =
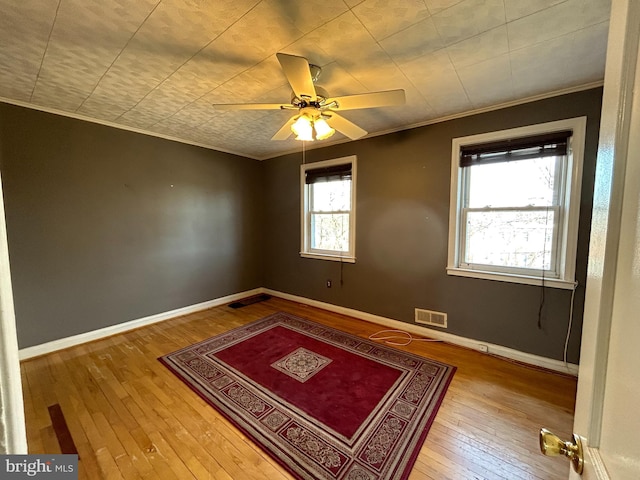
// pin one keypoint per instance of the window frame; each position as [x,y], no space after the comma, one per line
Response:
[305,222]
[570,175]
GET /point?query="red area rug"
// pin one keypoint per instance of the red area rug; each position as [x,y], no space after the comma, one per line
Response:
[325,404]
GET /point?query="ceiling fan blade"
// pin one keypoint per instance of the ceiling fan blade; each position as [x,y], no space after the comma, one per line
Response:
[285,132]
[297,71]
[248,106]
[345,126]
[369,100]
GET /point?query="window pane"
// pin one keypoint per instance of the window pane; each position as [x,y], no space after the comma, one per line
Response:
[513,184]
[330,231]
[521,239]
[331,196]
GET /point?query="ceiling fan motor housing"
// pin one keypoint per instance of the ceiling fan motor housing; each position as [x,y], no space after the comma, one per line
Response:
[321,95]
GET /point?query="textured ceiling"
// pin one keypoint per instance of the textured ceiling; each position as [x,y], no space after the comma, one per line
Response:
[157,66]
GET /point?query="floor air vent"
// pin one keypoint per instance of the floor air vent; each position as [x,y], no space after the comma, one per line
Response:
[250,300]
[429,317]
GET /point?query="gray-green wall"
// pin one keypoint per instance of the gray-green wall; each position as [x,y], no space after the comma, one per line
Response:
[402,217]
[107,226]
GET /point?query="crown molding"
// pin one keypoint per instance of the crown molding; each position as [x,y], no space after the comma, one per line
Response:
[309,145]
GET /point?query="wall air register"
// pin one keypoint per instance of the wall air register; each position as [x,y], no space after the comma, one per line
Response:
[430,317]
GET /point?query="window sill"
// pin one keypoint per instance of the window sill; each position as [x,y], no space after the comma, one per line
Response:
[334,258]
[512,278]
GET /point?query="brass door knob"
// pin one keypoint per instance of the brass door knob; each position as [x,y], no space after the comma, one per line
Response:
[551,445]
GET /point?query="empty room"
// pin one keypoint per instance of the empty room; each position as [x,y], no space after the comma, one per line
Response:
[345,239]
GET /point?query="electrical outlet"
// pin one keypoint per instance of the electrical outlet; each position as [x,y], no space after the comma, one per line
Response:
[483,348]
[328,283]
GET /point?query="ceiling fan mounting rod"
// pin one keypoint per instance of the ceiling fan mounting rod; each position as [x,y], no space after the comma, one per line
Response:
[315,71]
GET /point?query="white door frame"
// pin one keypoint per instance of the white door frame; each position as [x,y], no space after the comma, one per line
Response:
[611,168]
[13,432]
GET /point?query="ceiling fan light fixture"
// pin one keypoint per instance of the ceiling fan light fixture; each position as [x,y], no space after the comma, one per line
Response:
[303,128]
[323,129]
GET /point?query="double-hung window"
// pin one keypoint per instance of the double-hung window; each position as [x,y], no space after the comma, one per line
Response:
[515,199]
[328,209]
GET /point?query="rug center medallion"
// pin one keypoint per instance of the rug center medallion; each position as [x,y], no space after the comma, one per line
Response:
[301,364]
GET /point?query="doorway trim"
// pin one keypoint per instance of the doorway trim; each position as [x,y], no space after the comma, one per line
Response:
[13,431]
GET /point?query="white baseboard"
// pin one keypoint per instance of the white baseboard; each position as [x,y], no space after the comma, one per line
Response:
[479,345]
[499,350]
[67,342]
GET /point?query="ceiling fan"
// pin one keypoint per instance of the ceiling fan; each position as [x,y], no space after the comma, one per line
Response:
[317,116]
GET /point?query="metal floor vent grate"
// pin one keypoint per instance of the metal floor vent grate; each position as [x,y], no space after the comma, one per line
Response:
[430,317]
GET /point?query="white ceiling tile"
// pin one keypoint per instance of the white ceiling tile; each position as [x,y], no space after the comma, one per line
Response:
[281,94]
[437,80]
[62,95]
[307,15]
[436,6]
[468,18]
[521,8]
[379,72]
[488,82]
[489,44]
[196,113]
[268,73]
[589,47]
[101,109]
[166,100]
[236,121]
[556,21]
[339,81]
[119,87]
[386,17]
[24,31]
[168,38]
[204,72]
[261,32]
[79,64]
[255,83]
[78,54]
[170,127]
[257,127]
[157,106]
[573,59]
[220,95]
[345,39]
[140,119]
[416,111]
[413,42]
[191,116]
[428,66]
[15,85]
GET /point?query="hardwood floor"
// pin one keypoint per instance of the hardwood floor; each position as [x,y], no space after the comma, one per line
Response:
[130,417]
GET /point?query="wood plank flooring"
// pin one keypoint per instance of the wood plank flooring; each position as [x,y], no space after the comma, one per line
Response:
[131,418]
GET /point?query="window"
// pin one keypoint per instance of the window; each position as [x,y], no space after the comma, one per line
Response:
[328,209]
[515,198]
